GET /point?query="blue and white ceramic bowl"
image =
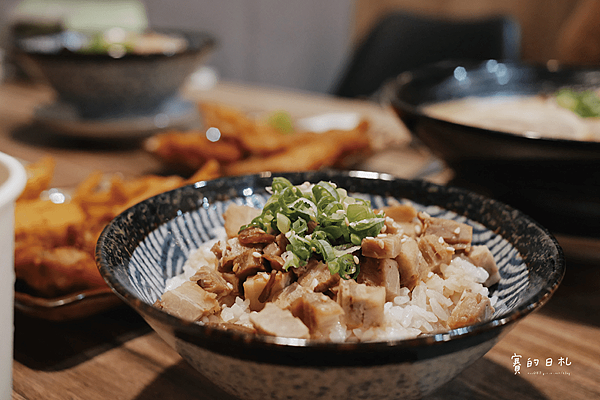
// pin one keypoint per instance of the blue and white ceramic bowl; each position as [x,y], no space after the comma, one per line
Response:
[148,243]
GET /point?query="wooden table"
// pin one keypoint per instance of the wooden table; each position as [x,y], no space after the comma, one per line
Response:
[115,355]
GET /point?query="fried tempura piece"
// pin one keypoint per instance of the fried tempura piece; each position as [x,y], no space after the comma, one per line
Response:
[153,185]
[103,199]
[55,243]
[39,176]
[46,222]
[252,136]
[52,272]
[317,151]
[191,149]
[250,145]
[210,170]
[229,120]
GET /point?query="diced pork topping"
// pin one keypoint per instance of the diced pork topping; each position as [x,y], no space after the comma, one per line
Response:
[411,264]
[229,251]
[236,216]
[472,308]
[319,278]
[234,282]
[435,251]
[383,246]
[381,272]
[253,287]
[481,256]
[212,281]
[412,251]
[242,260]
[286,298]
[404,217]
[456,234]
[392,227]
[273,251]
[247,264]
[274,321]
[254,235]
[401,212]
[363,305]
[189,301]
[320,314]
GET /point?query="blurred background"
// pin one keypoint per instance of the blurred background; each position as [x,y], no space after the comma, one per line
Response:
[305,45]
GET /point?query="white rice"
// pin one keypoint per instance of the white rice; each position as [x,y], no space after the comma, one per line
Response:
[199,257]
[425,310]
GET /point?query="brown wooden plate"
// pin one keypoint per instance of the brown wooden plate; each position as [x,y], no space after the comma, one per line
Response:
[71,306]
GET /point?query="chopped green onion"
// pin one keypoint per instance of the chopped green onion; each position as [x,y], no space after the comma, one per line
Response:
[585,103]
[283,223]
[340,224]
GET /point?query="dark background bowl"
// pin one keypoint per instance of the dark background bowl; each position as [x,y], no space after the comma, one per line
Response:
[147,244]
[100,86]
[556,181]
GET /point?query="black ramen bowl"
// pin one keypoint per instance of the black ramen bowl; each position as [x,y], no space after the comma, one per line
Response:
[102,84]
[554,180]
[147,244]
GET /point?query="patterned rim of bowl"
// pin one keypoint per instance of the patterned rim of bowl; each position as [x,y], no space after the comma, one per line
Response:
[198,42]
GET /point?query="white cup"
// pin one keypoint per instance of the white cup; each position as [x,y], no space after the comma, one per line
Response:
[12,182]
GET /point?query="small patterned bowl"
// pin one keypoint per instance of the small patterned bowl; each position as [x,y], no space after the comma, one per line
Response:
[149,243]
[99,85]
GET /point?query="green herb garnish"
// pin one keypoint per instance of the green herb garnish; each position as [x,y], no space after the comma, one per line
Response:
[585,103]
[339,224]
[98,44]
[282,121]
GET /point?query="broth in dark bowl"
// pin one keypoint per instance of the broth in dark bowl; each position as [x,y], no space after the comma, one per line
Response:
[554,179]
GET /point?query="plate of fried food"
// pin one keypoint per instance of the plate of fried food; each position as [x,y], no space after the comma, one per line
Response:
[236,142]
[56,232]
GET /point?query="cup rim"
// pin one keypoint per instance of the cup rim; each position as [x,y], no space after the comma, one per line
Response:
[17,178]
